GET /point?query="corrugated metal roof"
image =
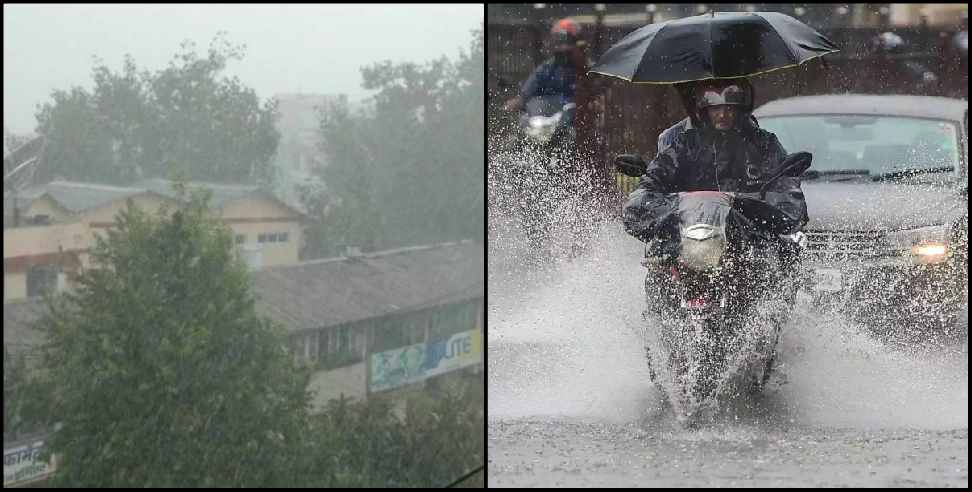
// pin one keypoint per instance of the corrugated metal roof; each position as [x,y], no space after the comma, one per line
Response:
[894,105]
[330,292]
[78,197]
[222,194]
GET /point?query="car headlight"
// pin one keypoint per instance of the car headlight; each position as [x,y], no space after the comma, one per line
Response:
[926,245]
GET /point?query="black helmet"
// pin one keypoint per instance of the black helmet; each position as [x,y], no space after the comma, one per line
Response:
[888,43]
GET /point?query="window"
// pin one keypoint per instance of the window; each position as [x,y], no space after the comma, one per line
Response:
[295,347]
[322,344]
[308,346]
[40,279]
[274,237]
[41,219]
[415,324]
[875,144]
[344,339]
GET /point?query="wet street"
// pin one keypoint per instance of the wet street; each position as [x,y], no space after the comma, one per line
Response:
[556,452]
[570,403]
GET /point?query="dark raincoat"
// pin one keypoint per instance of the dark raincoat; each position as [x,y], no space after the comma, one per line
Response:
[692,158]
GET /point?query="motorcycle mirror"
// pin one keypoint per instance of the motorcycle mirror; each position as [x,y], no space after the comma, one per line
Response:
[794,165]
[630,165]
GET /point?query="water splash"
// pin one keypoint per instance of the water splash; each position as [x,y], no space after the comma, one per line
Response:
[564,342]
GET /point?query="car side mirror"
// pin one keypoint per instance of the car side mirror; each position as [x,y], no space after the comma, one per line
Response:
[630,165]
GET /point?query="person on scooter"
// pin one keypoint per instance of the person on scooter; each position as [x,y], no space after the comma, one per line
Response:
[575,169]
[557,75]
[718,147]
[565,75]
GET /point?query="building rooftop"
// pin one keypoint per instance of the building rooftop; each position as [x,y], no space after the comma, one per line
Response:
[329,292]
[78,196]
[334,291]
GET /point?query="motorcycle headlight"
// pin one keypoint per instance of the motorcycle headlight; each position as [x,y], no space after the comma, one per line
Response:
[926,245]
[542,127]
[702,247]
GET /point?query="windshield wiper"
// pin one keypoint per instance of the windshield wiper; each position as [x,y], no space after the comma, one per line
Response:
[812,174]
[915,171]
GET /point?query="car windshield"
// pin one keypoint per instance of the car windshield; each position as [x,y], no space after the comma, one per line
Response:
[876,144]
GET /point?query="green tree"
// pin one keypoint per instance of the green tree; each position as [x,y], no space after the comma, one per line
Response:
[18,418]
[78,143]
[445,434]
[350,215]
[217,124]
[121,105]
[410,170]
[369,444]
[163,374]
[139,124]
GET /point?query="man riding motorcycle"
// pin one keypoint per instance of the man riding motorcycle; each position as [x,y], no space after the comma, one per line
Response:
[718,147]
[565,75]
[566,158]
[726,256]
[557,75]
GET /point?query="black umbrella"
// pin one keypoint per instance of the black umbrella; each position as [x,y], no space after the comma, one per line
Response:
[712,46]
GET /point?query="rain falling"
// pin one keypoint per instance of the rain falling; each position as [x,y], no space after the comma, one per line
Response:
[727,245]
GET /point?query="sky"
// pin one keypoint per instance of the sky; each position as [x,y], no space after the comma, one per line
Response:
[290,48]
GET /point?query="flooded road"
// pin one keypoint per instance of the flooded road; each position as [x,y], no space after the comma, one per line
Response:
[557,452]
[570,403]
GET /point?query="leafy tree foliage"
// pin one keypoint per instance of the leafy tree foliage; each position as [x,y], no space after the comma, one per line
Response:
[410,170]
[12,140]
[370,444]
[163,373]
[141,124]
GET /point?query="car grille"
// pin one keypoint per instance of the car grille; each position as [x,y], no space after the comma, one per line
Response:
[843,246]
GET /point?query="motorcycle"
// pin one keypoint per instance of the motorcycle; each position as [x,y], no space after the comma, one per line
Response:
[721,284]
[547,124]
[532,172]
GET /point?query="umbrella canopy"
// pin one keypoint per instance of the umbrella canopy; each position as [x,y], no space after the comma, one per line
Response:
[712,46]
